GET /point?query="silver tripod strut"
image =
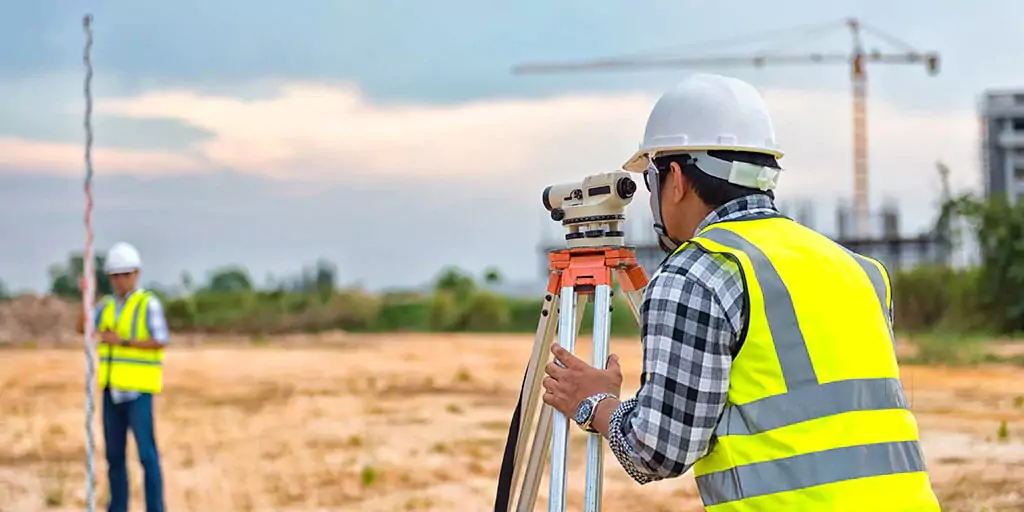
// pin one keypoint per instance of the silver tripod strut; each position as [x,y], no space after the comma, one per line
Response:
[595,454]
[560,423]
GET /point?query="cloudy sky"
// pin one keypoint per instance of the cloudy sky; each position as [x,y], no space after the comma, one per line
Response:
[391,138]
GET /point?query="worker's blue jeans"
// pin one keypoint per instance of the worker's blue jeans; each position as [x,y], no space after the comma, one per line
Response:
[136,415]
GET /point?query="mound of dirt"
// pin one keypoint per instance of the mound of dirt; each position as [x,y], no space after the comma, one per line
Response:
[38,319]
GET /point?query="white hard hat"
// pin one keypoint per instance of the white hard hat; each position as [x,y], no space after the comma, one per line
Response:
[706,112]
[122,257]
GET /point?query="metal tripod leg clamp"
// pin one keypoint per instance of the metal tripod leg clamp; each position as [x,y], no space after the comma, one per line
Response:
[576,274]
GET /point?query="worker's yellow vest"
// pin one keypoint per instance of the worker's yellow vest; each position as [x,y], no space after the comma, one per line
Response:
[816,417]
[129,368]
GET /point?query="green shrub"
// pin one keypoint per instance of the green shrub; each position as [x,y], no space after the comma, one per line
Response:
[403,312]
[444,312]
[524,314]
[354,310]
[486,312]
[932,298]
[180,314]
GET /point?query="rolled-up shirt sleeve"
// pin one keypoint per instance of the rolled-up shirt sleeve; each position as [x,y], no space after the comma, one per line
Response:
[158,330]
[687,342]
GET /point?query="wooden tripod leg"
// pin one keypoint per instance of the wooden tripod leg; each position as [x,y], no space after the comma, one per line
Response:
[535,466]
[546,328]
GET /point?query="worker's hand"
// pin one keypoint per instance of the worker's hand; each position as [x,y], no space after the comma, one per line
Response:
[110,338]
[566,387]
[80,322]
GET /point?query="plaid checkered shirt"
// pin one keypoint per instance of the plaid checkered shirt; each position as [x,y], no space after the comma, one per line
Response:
[693,313]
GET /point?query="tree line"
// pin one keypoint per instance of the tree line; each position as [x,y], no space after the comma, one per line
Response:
[987,297]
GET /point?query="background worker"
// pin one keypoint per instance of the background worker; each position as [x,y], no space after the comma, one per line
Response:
[769,361]
[132,333]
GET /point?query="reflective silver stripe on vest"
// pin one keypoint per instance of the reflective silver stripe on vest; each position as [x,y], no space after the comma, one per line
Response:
[132,360]
[807,470]
[810,403]
[143,303]
[797,369]
[878,282]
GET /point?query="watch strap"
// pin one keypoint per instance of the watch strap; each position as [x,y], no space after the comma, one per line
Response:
[594,401]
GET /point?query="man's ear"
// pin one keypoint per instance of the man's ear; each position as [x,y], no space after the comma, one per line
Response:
[678,185]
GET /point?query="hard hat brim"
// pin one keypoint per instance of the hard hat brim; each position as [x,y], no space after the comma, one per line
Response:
[120,270]
[641,159]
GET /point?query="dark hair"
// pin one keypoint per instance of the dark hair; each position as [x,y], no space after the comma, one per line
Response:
[714,191]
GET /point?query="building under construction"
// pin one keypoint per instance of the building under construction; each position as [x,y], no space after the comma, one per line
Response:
[895,250]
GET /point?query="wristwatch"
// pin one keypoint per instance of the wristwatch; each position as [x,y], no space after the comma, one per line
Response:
[585,411]
[125,343]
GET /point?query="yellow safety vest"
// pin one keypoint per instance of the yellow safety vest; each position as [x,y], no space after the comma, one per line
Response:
[129,368]
[816,417]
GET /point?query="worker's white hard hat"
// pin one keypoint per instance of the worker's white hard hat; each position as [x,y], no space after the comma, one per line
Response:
[122,257]
[706,112]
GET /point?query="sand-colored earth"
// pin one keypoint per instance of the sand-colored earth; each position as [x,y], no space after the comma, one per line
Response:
[407,422]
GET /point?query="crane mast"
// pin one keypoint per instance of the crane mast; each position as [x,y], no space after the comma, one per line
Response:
[857,61]
[859,88]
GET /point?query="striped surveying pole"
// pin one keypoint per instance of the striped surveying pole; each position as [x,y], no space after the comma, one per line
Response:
[88,283]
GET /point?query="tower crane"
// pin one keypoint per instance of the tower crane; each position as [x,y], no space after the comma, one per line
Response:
[856,60]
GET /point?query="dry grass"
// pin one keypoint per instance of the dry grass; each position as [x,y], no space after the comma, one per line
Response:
[406,422]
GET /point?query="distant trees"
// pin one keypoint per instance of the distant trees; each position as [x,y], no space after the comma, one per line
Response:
[229,279]
[998,228]
[5,293]
[65,279]
[456,282]
[458,303]
[228,301]
[492,276]
[989,296]
[319,278]
[187,283]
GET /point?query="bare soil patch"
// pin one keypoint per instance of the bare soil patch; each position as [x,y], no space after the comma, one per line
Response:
[408,422]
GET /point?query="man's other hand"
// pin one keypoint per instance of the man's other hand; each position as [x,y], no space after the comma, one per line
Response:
[80,322]
[110,338]
[565,388]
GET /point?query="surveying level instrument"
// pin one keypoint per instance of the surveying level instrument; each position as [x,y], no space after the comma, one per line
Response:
[593,212]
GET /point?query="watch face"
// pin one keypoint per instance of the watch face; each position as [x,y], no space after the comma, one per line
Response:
[583,411]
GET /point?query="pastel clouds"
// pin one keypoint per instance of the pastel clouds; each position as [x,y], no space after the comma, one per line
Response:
[328,132]
[34,156]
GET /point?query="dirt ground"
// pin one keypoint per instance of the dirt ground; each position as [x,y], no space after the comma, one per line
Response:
[407,422]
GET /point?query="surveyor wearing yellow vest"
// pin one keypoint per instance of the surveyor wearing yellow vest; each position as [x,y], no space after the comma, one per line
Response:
[769,357]
[132,333]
